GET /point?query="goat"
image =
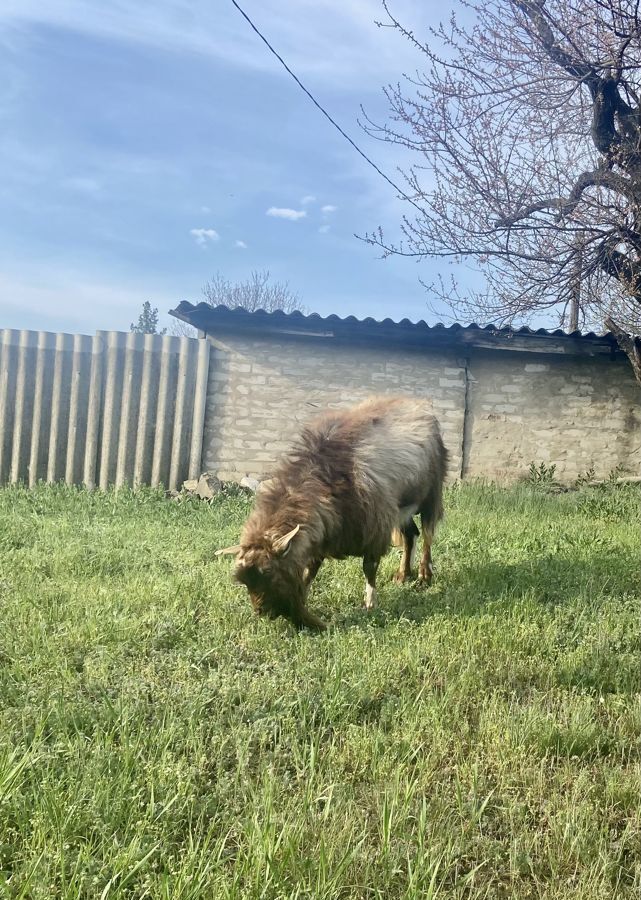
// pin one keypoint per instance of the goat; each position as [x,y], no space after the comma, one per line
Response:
[352,479]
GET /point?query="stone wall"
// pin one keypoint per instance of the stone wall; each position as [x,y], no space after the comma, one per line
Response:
[574,412]
[499,410]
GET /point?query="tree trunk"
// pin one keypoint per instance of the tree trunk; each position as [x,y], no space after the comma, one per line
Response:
[575,297]
[630,345]
[574,314]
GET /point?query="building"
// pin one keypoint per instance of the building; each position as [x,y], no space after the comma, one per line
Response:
[505,397]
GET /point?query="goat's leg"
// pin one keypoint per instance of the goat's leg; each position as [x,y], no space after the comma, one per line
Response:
[303,618]
[425,569]
[431,513]
[312,570]
[370,568]
[409,532]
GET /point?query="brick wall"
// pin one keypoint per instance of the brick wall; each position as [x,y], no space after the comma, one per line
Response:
[575,412]
[521,407]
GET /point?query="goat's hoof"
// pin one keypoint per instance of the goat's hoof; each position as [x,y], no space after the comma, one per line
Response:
[369,600]
[401,577]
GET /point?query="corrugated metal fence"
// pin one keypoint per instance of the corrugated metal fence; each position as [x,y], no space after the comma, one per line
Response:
[118,408]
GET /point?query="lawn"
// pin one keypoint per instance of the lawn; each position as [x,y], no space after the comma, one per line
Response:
[479,739]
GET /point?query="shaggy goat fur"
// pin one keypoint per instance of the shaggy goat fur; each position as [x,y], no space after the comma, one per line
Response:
[351,479]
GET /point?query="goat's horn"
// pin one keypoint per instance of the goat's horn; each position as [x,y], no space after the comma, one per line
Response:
[282,542]
[227,551]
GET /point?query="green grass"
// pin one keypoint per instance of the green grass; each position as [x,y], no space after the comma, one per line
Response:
[479,739]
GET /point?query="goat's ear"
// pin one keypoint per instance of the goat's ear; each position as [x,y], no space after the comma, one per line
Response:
[281,544]
[229,551]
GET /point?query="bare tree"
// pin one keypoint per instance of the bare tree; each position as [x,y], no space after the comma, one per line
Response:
[527,125]
[255,292]
[178,328]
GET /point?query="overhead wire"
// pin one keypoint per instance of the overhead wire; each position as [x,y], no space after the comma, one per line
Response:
[322,109]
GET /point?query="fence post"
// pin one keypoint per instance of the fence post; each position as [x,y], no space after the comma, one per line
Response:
[152,347]
[6,406]
[94,410]
[63,343]
[46,343]
[81,345]
[18,450]
[200,404]
[162,411]
[133,345]
[115,342]
[179,413]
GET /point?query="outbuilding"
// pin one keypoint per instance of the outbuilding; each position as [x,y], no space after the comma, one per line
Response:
[505,397]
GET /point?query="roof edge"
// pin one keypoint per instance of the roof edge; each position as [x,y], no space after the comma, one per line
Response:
[223,320]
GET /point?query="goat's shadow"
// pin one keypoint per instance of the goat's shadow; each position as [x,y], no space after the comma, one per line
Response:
[467,591]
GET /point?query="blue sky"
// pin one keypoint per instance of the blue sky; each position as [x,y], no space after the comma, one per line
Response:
[144,145]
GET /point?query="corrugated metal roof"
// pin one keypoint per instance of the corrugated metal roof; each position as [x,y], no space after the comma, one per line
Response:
[209,318]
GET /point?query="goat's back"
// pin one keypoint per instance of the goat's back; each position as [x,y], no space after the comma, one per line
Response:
[391,447]
[402,452]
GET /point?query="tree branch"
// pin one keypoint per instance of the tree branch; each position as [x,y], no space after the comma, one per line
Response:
[600,177]
[533,10]
[605,104]
[619,266]
[630,345]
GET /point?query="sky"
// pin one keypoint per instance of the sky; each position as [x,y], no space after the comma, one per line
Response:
[146,146]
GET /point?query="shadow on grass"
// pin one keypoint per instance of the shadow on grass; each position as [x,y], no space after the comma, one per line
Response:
[548,580]
[571,590]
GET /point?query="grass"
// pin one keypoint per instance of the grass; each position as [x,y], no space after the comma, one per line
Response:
[479,739]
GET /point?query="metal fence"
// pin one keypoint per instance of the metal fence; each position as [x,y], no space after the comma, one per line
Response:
[117,408]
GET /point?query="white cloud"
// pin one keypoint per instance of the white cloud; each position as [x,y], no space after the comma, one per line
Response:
[307,199]
[279,212]
[328,208]
[205,209]
[323,229]
[202,235]
[240,244]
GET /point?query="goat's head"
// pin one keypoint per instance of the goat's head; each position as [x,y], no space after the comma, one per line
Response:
[268,566]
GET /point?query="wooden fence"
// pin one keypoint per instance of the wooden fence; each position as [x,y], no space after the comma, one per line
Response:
[114,409]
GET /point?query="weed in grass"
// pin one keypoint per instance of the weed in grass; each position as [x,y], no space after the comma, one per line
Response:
[541,475]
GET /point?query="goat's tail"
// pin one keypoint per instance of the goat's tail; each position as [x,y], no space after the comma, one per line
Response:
[432,510]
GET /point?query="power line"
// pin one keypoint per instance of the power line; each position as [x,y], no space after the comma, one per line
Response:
[322,109]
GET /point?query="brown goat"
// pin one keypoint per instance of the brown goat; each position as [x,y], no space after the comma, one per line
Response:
[351,479]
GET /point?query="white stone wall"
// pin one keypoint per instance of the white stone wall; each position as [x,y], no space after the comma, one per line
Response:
[521,407]
[260,392]
[573,412]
